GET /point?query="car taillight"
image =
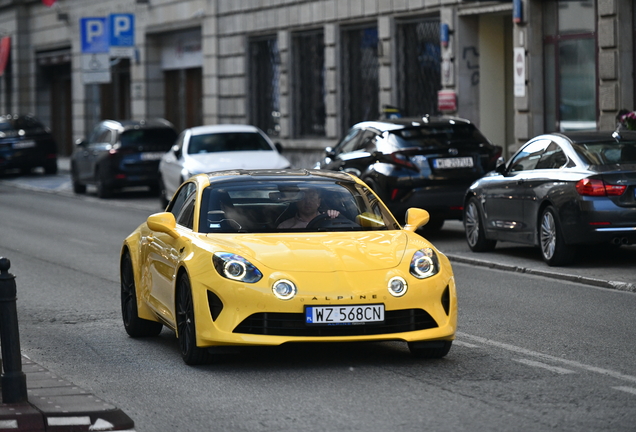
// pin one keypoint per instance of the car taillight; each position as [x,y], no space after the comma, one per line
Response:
[402,160]
[596,187]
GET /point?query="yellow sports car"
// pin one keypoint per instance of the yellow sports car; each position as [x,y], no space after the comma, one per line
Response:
[268,257]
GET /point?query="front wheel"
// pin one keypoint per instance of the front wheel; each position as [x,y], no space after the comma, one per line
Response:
[554,250]
[430,350]
[474,229]
[78,187]
[186,327]
[135,326]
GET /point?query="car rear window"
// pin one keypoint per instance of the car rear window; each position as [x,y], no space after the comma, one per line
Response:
[160,137]
[607,153]
[227,142]
[435,136]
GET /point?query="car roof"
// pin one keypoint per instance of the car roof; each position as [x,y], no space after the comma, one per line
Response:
[410,122]
[277,175]
[221,128]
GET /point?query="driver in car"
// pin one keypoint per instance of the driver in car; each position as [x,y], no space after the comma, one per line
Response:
[307,209]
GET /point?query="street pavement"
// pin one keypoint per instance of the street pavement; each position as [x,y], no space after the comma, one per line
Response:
[55,404]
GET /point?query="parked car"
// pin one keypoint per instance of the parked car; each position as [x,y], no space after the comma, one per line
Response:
[213,148]
[217,269]
[559,191]
[120,154]
[25,143]
[426,162]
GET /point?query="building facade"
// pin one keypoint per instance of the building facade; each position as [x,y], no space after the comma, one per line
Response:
[306,70]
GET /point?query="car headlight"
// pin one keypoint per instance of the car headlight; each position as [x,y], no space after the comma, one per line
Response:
[284,289]
[424,263]
[235,267]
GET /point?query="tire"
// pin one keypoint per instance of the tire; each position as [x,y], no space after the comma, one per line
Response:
[78,187]
[186,326]
[474,228]
[103,190]
[162,194]
[554,250]
[135,326]
[50,167]
[430,350]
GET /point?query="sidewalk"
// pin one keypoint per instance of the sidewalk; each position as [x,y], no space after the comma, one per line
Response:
[57,405]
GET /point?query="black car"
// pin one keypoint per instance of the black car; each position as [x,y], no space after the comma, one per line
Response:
[121,154]
[558,192]
[25,143]
[425,162]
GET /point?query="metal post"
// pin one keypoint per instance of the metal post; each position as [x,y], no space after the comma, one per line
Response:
[13,380]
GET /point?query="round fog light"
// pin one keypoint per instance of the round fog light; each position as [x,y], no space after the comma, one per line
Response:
[397,286]
[284,289]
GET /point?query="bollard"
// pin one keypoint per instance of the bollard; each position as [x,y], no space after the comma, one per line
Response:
[13,380]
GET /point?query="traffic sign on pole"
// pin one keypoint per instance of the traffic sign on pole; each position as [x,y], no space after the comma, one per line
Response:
[94,35]
[121,35]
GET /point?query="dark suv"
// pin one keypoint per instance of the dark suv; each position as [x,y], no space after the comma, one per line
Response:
[425,162]
[120,154]
[25,143]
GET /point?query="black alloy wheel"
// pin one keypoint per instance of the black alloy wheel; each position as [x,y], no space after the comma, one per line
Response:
[186,330]
[135,326]
[474,228]
[430,350]
[554,250]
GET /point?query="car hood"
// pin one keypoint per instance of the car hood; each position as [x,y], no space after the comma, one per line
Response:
[333,251]
[207,162]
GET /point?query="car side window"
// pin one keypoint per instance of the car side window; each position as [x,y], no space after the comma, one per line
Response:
[367,142]
[349,142]
[180,200]
[529,156]
[186,216]
[553,158]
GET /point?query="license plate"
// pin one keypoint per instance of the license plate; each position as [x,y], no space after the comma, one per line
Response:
[151,156]
[451,163]
[24,144]
[344,315]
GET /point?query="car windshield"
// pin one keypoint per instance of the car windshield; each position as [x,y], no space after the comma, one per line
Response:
[26,123]
[607,153]
[436,136]
[279,206]
[161,137]
[227,142]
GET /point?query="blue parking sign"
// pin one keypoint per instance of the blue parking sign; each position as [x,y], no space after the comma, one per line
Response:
[121,30]
[94,34]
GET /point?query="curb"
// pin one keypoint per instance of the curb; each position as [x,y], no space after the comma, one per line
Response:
[621,286]
[57,405]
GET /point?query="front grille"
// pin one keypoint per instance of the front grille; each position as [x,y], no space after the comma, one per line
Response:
[293,324]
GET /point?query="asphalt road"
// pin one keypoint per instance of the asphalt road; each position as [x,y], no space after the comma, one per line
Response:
[533,352]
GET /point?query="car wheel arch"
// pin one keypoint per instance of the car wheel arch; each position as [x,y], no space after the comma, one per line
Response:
[545,204]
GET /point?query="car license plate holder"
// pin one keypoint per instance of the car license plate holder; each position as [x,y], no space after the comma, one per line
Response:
[151,156]
[453,163]
[344,315]
[23,144]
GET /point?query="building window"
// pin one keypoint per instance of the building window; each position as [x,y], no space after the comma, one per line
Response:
[570,90]
[264,88]
[419,67]
[309,84]
[360,86]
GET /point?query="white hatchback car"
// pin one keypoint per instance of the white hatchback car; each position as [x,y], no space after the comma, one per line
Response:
[205,149]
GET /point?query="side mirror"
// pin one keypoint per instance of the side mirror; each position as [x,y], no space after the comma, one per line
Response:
[279,147]
[163,222]
[415,218]
[176,150]
[80,142]
[501,167]
[329,152]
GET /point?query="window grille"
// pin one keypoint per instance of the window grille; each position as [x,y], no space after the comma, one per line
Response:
[360,84]
[309,84]
[264,84]
[419,67]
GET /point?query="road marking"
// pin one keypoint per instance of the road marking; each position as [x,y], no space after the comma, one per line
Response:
[528,352]
[464,344]
[545,366]
[631,390]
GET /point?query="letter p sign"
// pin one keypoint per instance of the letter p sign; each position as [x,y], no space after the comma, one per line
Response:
[122,30]
[94,35]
